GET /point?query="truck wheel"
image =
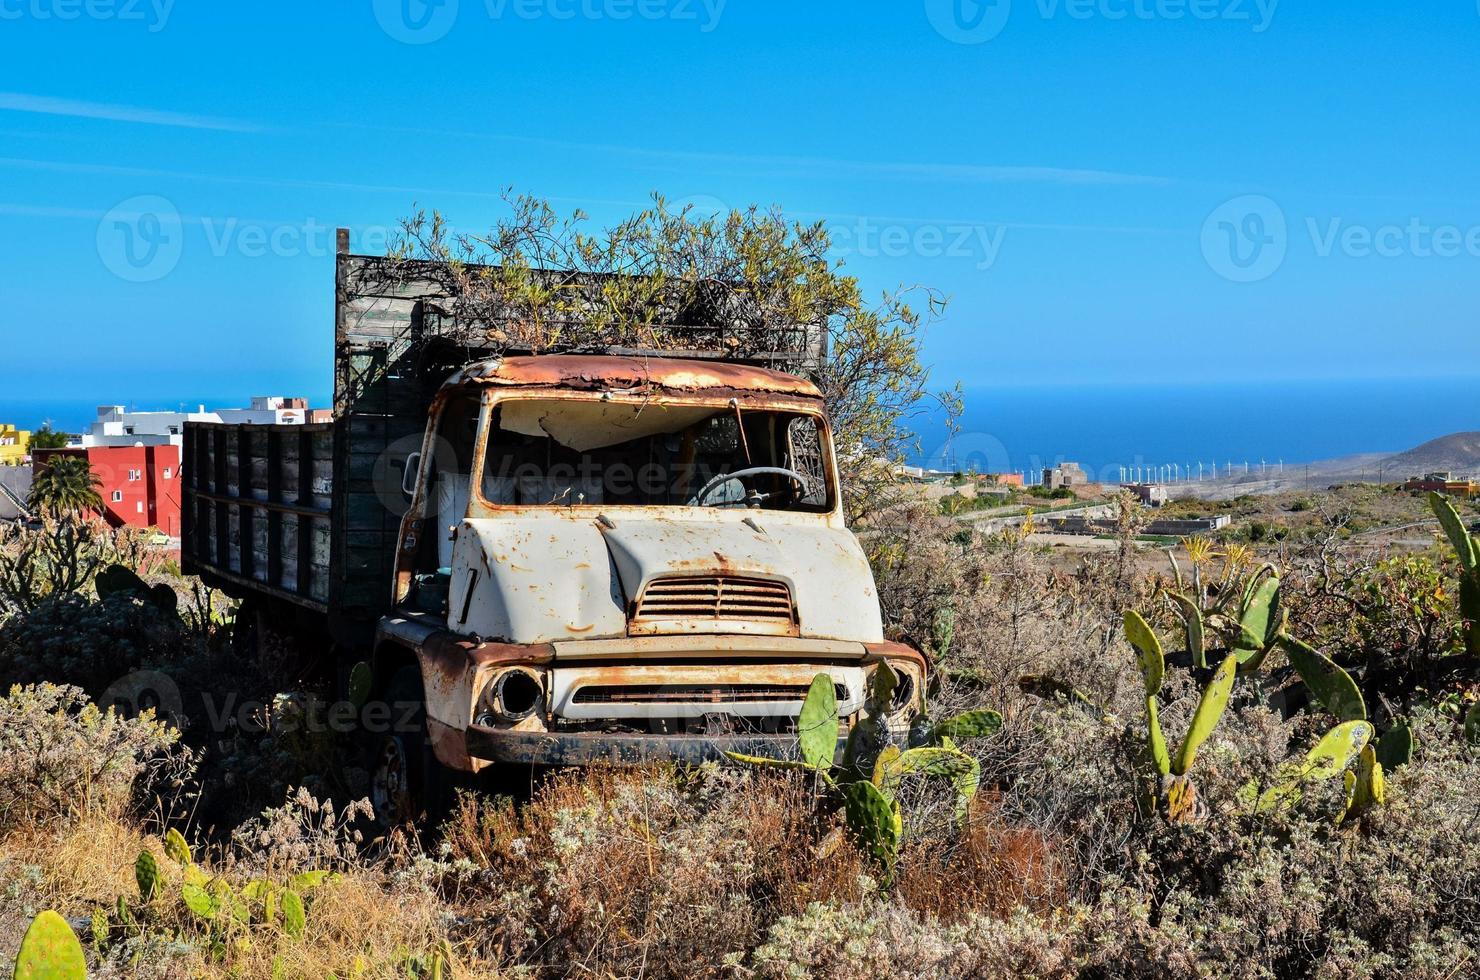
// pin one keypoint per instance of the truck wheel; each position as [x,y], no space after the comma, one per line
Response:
[407,783]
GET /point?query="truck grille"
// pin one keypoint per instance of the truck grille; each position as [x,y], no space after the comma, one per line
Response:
[716,597]
[692,693]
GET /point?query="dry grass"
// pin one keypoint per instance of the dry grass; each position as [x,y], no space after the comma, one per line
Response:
[369,921]
[993,868]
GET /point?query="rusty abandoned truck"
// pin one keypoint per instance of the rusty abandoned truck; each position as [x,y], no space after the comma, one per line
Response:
[566,559]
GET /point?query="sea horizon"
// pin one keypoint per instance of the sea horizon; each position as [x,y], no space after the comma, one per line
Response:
[1023,428]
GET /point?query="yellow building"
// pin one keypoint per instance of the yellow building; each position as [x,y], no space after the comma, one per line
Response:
[14,444]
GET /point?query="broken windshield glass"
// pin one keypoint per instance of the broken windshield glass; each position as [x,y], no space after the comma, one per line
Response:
[602,453]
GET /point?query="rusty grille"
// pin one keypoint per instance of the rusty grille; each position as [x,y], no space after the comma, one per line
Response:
[690,693]
[716,597]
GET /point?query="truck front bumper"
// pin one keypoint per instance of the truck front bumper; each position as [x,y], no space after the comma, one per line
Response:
[619,749]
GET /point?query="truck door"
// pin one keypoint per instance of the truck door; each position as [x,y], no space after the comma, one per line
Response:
[439,503]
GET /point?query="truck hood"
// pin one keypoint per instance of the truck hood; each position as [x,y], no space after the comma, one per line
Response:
[543,579]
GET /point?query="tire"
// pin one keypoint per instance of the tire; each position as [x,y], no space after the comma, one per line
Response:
[408,786]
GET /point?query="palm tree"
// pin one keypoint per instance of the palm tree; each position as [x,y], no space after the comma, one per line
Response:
[47,438]
[66,487]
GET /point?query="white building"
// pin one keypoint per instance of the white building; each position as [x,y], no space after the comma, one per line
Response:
[117,427]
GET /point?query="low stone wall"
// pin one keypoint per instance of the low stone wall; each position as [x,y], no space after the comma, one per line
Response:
[1167,528]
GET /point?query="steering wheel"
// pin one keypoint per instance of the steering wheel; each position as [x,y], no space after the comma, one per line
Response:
[752,499]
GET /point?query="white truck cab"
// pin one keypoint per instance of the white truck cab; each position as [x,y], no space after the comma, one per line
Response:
[617,560]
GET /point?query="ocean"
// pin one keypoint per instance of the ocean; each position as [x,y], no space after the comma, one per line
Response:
[1105,427]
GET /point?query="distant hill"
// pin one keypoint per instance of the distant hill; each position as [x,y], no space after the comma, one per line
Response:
[1458,453]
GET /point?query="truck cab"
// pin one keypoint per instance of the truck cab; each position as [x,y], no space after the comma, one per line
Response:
[624,560]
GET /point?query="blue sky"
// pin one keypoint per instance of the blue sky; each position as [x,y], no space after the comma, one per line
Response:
[1111,191]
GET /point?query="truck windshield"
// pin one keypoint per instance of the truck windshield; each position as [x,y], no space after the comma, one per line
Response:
[570,452]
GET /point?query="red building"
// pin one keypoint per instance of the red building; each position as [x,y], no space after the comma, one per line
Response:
[140,484]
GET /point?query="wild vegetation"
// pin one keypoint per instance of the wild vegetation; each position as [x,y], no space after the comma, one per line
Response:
[1310,813]
[1261,759]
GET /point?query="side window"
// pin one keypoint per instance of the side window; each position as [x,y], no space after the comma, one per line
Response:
[804,450]
[447,494]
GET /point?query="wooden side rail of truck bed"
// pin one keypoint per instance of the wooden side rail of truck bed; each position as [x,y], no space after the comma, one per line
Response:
[257,508]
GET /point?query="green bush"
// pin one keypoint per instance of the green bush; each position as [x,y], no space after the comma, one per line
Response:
[62,757]
[71,639]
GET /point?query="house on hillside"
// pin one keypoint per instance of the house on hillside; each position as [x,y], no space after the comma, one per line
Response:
[14,444]
[1064,475]
[115,426]
[1445,483]
[140,485]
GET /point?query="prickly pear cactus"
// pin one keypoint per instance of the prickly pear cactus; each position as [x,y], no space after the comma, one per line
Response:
[943,631]
[817,726]
[1209,712]
[200,902]
[146,873]
[360,678]
[176,848]
[1179,797]
[294,921]
[969,724]
[50,951]
[1366,788]
[874,821]
[1259,620]
[1331,756]
[1149,652]
[1192,621]
[1156,742]
[1467,549]
[1328,683]
[871,734]
[1395,748]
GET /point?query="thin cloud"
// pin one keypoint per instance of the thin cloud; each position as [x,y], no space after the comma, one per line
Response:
[822,166]
[115,170]
[48,106]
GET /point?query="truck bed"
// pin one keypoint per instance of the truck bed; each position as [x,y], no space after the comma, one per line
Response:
[257,509]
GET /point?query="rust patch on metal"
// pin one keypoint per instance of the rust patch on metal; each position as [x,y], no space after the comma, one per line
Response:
[605,373]
[895,651]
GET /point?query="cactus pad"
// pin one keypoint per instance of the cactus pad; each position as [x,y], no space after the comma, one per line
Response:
[1148,650]
[50,951]
[146,873]
[1327,682]
[1209,712]
[817,727]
